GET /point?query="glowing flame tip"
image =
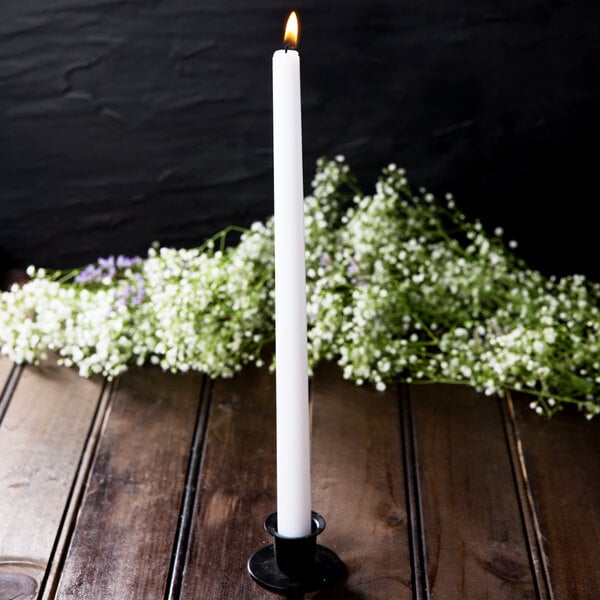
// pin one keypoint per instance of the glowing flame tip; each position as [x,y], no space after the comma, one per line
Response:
[290,37]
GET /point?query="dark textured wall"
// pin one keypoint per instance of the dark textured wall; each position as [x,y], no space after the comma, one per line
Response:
[124,122]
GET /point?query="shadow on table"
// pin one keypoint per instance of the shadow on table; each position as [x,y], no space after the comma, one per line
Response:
[336,592]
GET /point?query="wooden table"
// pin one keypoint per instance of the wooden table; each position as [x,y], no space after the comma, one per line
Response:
[156,486]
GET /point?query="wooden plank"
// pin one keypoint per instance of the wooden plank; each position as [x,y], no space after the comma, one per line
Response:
[476,546]
[122,543]
[42,436]
[561,459]
[5,368]
[236,491]
[535,543]
[48,588]
[358,486]
[357,481]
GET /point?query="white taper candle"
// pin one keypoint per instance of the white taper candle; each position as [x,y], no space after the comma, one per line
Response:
[293,435]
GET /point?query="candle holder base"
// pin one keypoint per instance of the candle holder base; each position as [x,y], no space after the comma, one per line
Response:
[295,565]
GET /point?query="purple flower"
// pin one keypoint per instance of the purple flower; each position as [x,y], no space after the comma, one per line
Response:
[108,264]
[123,262]
[324,261]
[107,268]
[131,293]
[122,296]
[89,274]
[352,268]
[140,294]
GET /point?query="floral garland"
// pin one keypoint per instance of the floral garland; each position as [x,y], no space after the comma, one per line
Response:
[400,287]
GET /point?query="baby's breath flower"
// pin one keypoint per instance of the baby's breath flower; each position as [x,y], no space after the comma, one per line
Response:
[399,287]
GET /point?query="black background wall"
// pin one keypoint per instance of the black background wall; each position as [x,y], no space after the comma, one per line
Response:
[125,122]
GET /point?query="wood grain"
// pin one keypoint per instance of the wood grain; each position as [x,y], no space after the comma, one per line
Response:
[358,486]
[476,546]
[5,369]
[236,490]
[112,477]
[561,457]
[42,436]
[123,540]
[54,570]
[531,528]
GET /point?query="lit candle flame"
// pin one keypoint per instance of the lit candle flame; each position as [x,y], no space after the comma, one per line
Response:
[290,37]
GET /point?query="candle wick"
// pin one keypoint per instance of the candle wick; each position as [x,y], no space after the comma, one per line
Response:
[287,46]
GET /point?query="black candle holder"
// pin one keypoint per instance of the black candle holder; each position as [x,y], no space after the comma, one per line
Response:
[295,565]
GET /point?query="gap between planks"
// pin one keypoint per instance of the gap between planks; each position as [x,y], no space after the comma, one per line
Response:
[12,380]
[49,583]
[50,410]
[475,544]
[533,533]
[417,542]
[189,501]
[123,540]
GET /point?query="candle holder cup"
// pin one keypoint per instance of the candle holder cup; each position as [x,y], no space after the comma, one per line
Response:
[295,565]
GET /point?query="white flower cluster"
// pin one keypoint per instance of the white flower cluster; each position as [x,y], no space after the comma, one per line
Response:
[400,286]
